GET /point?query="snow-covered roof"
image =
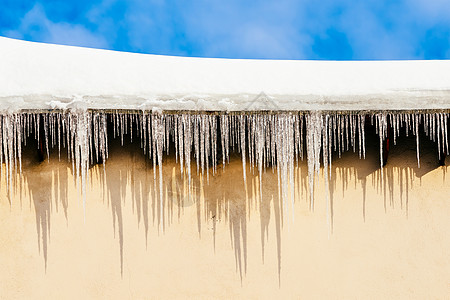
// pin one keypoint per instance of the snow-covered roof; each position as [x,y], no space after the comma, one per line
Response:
[42,76]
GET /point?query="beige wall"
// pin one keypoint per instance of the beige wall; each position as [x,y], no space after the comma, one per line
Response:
[390,237]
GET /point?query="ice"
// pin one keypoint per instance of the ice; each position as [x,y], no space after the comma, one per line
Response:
[326,158]
[416,127]
[158,125]
[242,136]
[314,125]
[80,122]
[264,139]
[446,132]
[225,138]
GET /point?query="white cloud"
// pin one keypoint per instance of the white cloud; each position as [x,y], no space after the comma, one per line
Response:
[37,26]
[263,29]
[430,11]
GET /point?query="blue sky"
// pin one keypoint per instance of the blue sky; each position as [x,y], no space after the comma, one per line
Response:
[282,29]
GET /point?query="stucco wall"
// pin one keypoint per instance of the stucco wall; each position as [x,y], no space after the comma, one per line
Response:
[390,237]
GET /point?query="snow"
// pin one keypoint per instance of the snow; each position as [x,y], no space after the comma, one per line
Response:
[44,76]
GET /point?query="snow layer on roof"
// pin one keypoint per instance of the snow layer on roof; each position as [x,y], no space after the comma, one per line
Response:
[42,76]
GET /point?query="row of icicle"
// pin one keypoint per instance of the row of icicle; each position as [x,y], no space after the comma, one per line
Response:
[264,140]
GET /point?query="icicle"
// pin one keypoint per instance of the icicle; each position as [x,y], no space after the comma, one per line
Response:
[197,141]
[329,146]
[353,126]
[242,143]
[346,126]
[264,140]
[442,131]
[437,133]
[202,142]
[325,157]
[19,138]
[446,133]
[416,127]
[59,135]
[397,121]
[187,140]
[180,141]
[225,137]
[381,127]
[207,144]
[3,138]
[335,129]
[158,144]
[301,137]
[79,138]
[213,126]
[408,124]
[359,136]
[314,124]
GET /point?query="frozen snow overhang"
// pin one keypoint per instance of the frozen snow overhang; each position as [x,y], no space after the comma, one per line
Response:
[36,76]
